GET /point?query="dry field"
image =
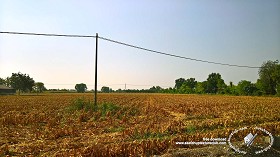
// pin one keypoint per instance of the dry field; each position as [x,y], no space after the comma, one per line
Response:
[142,125]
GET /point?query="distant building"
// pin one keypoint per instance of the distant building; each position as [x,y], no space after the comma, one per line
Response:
[6,90]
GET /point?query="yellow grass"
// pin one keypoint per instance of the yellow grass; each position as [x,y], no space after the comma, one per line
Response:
[42,125]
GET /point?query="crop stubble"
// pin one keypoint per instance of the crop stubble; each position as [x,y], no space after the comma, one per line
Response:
[42,125]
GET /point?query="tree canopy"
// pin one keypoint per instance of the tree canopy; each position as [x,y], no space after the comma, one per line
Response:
[21,82]
[215,83]
[81,88]
[39,87]
[269,77]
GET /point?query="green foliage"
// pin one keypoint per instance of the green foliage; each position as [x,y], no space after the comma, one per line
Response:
[215,83]
[278,89]
[184,89]
[187,86]
[81,88]
[246,88]
[190,129]
[87,105]
[2,81]
[81,104]
[114,129]
[156,89]
[231,89]
[148,135]
[200,88]
[179,82]
[39,87]
[269,77]
[108,107]
[105,89]
[191,83]
[21,82]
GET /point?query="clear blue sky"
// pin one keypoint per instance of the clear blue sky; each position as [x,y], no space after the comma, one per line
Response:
[244,32]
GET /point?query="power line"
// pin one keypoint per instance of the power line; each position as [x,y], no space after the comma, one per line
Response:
[173,55]
[121,84]
[44,34]
[133,46]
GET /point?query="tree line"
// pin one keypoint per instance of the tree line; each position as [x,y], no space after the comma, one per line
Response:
[23,83]
[268,83]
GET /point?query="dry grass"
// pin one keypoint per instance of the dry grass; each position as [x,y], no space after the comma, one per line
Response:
[146,124]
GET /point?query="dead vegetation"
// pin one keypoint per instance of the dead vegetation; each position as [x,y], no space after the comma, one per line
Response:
[133,125]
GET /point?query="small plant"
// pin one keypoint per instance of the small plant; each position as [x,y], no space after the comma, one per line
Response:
[149,135]
[115,129]
[101,111]
[190,129]
[80,104]
[108,107]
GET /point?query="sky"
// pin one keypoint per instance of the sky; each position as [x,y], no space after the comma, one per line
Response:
[242,32]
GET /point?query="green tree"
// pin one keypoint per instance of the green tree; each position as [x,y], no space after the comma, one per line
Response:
[246,88]
[39,87]
[156,89]
[7,82]
[179,82]
[191,83]
[21,82]
[269,77]
[215,83]
[2,81]
[200,87]
[231,89]
[105,89]
[221,86]
[169,90]
[185,89]
[81,88]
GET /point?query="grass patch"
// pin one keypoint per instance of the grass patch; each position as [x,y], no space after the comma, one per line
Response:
[102,110]
[86,105]
[149,135]
[81,104]
[114,129]
[190,129]
[108,107]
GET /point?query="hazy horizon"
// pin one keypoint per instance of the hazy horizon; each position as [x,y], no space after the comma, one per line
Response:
[232,32]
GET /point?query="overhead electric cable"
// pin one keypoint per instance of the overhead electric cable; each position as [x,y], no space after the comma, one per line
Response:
[44,34]
[173,55]
[133,46]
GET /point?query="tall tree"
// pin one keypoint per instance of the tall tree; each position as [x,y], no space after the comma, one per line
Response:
[246,88]
[81,88]
[21,82]
[105,89]
[179,82]
[200,87]
[231,89]
[185,89]
[39,87]
[215,83]
[269,77]
[191,83]
[2,81]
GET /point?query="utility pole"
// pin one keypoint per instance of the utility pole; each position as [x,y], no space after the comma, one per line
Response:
[125,86]
[95,85]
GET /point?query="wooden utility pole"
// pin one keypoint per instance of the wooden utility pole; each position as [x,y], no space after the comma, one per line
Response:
[95,85]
